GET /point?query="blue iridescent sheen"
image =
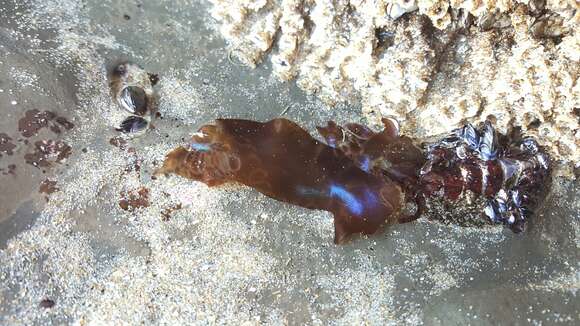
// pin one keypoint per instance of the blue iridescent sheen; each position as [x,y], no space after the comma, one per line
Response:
[371,199]
[200,147]
[354,205]
[365,164]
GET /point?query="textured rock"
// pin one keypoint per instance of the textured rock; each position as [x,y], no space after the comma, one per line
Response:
[433,64]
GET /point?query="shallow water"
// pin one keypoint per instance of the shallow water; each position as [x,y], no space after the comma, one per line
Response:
[229,254]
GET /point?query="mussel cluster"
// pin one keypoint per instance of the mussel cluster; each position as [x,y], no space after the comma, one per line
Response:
[132,89]
[496,179]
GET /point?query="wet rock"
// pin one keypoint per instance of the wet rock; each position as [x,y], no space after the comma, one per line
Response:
[48,187]
[47,151]
[6,145]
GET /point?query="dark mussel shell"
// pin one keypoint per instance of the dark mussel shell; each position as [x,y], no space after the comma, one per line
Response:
[132,124]
[134,100]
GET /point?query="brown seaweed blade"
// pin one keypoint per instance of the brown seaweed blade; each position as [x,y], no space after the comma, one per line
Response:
[282,161]
[381,153]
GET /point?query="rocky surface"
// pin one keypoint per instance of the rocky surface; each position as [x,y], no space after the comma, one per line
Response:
[433,65]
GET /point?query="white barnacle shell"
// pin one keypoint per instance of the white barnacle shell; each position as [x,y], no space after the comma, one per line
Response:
[401,7]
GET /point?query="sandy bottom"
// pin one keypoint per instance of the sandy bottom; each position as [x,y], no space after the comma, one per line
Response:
[229,255]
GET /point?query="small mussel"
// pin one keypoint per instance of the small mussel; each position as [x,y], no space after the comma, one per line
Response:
[134,100]
[132,124]
[132,90]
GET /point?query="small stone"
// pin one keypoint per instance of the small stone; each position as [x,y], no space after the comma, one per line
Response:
[47,303]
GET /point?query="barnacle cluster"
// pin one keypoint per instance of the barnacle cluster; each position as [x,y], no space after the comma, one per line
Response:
[432,64]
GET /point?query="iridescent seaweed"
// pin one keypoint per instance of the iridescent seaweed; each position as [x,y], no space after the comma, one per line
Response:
[282,161]
[368,179]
